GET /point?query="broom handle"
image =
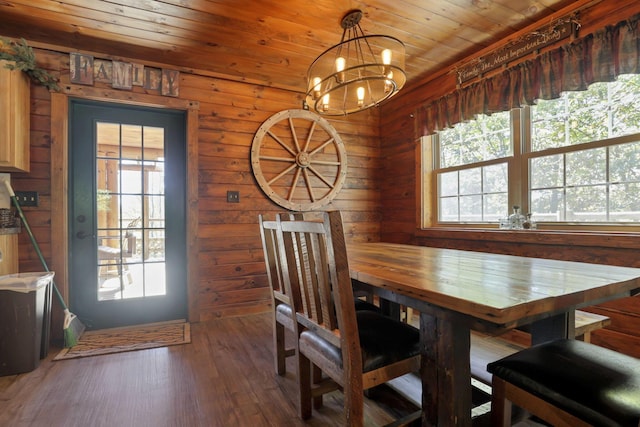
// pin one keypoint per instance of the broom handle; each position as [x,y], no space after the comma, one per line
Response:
[33,239]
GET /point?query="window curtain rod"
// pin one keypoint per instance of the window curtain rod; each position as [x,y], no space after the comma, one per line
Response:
[598,57]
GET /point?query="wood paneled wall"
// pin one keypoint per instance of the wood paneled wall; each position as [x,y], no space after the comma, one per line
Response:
[400,136]
[232,276]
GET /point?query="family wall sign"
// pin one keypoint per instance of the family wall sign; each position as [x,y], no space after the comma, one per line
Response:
[86,70]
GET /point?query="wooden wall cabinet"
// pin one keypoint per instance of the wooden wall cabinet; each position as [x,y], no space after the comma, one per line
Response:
[9,251]
[14,120]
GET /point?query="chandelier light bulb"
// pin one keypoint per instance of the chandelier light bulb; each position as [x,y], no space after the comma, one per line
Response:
[387,82]
[386,61]
[325,102]
[316,87]
[360,93]
[340,64]
[386,57]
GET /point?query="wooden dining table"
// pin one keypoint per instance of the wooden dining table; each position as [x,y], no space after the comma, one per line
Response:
[458,291]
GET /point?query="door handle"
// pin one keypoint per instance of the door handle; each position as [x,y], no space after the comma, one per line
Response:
[81,235]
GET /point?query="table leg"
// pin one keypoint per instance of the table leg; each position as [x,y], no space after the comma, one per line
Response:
[390,309]
[445,371]
[555,327]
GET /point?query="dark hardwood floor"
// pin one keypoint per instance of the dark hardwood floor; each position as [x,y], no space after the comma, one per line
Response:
[225,377]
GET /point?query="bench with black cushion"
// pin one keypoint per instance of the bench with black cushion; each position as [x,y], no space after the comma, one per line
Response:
[568,382]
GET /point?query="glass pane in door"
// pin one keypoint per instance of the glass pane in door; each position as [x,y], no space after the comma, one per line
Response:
[130,207]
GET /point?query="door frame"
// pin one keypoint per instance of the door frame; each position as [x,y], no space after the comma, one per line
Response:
[60,180]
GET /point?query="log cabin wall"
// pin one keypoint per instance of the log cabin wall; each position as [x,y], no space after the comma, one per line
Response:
[401,202]
[232,277]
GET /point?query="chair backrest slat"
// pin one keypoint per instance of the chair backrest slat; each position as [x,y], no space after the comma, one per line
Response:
[271,256]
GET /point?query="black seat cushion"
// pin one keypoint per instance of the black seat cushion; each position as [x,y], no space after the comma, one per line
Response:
[283,311]
[598,385]
[382,340]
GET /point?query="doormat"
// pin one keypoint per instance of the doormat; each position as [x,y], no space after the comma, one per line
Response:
[118,340]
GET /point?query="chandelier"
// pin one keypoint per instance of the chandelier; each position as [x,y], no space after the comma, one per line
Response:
[358,73]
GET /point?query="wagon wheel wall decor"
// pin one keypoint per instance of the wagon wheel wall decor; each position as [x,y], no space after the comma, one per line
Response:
[299,160]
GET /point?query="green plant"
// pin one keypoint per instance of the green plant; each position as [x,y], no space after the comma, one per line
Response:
[21,57]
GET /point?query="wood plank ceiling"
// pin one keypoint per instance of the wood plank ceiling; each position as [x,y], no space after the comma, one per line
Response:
[270,42]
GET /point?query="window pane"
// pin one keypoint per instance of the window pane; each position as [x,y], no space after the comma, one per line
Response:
[155,281]
[624,105]
[486,138]
[131,209]
[587,120]
[624,203]
[131,142]
[448,184]
[587,167]
[547,205]
[495,178]
[624,162]
[471,208]
[154,245]
[155,211]
[153,143]
[449,145]
[495,206]
[547,171]
[587,204]
[131,182]
[448,209]
[548,124]
[471,181]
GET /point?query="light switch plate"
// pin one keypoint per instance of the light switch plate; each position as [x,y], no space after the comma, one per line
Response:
[233,197]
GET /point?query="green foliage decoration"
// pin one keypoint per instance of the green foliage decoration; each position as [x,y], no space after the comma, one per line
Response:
[21,57]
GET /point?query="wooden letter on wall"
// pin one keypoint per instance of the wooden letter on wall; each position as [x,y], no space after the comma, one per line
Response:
[170,82]
[122,75]
[138,75]
[102,70]
[152,78]
[81,68]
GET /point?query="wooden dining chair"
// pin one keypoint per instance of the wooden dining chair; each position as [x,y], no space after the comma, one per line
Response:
[567,383]
[282,312]
[355,349]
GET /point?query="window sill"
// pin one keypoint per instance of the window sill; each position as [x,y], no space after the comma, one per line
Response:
[605,239]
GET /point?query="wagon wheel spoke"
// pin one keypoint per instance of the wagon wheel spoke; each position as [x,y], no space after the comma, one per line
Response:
[279,141]
[322,146]
[294,134]
[319,175]
[308,183]
[283,173]
[311,129]
[295,183]
[278,159]
[325,162]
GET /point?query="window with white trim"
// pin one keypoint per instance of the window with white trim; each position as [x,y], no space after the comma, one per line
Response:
[575,159]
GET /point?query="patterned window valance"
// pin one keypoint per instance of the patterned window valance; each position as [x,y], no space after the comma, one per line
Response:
[597,57]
